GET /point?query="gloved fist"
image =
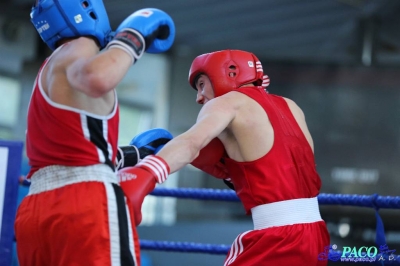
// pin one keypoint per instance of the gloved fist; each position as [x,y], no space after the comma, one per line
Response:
[147,29]
[142,145]
[229,183]
[137,182]
[151,141]
[210,159]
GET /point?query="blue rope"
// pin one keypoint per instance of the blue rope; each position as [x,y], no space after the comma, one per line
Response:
[197,193]
[372,201]
[184,247]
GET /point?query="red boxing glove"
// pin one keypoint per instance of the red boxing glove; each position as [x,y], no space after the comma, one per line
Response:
[138,181]
[209,159]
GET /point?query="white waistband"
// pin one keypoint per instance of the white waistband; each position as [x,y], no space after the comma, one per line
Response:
[288,212]
[56,176]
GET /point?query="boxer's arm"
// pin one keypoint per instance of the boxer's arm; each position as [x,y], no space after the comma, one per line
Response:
[214,118]
[148,29]
[140,180]
[95,73]
[79,64]
[210,159]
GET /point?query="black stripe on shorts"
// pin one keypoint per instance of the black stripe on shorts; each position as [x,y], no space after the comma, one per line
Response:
[126,255]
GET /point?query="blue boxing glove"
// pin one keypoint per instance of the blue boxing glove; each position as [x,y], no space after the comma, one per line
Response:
[156,26]
[146,143]
[150,29]
[151,141]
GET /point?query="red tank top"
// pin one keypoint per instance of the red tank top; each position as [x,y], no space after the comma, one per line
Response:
[61,135]
[287,171]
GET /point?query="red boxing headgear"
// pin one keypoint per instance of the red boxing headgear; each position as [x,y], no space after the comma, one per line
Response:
[227,70]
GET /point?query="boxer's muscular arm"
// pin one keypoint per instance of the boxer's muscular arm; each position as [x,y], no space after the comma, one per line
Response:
[95,73]
[214,117]
[141,179]
[146,29]
[210,159]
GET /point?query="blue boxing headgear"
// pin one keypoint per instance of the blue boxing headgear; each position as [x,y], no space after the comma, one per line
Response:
[58,19]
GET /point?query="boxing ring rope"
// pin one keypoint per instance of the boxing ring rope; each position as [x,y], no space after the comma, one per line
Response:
[374,201]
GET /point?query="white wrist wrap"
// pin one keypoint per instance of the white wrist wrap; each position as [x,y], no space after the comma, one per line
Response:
[130,41]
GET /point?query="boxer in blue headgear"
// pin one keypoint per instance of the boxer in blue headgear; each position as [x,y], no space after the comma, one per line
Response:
[76,212]
[58,19]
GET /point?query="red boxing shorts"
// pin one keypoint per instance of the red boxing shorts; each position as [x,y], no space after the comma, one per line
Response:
[75,216]
[285,233]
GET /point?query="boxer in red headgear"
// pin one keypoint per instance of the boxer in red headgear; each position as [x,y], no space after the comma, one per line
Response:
[266,151]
